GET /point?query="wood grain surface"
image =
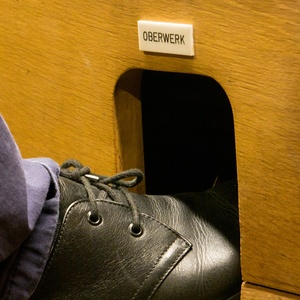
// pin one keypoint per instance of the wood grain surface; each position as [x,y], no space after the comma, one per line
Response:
[254,292]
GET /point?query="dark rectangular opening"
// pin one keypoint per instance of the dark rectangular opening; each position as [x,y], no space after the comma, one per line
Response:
[188,133]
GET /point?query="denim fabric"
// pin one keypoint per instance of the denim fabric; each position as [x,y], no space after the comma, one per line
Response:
[29,201]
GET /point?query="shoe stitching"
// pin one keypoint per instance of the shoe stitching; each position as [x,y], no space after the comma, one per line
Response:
[183,252]
[74,204]
[55,250]
[165,273]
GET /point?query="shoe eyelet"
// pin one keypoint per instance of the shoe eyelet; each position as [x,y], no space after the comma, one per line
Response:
[94,219]
[136,232]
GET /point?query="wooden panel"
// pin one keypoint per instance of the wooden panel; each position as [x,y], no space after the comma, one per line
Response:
[60,62]
[253,292]
[129,132]
[54,93]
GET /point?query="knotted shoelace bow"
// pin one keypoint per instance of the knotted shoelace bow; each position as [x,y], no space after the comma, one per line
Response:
[74,170]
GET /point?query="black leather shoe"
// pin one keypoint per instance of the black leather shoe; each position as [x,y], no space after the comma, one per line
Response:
[112,244]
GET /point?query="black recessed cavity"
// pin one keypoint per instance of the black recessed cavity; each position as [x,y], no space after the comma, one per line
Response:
[188,132]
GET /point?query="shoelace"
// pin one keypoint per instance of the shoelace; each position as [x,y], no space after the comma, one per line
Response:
[74,170]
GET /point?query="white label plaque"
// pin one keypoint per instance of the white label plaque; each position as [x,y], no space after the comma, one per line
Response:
[162,37]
